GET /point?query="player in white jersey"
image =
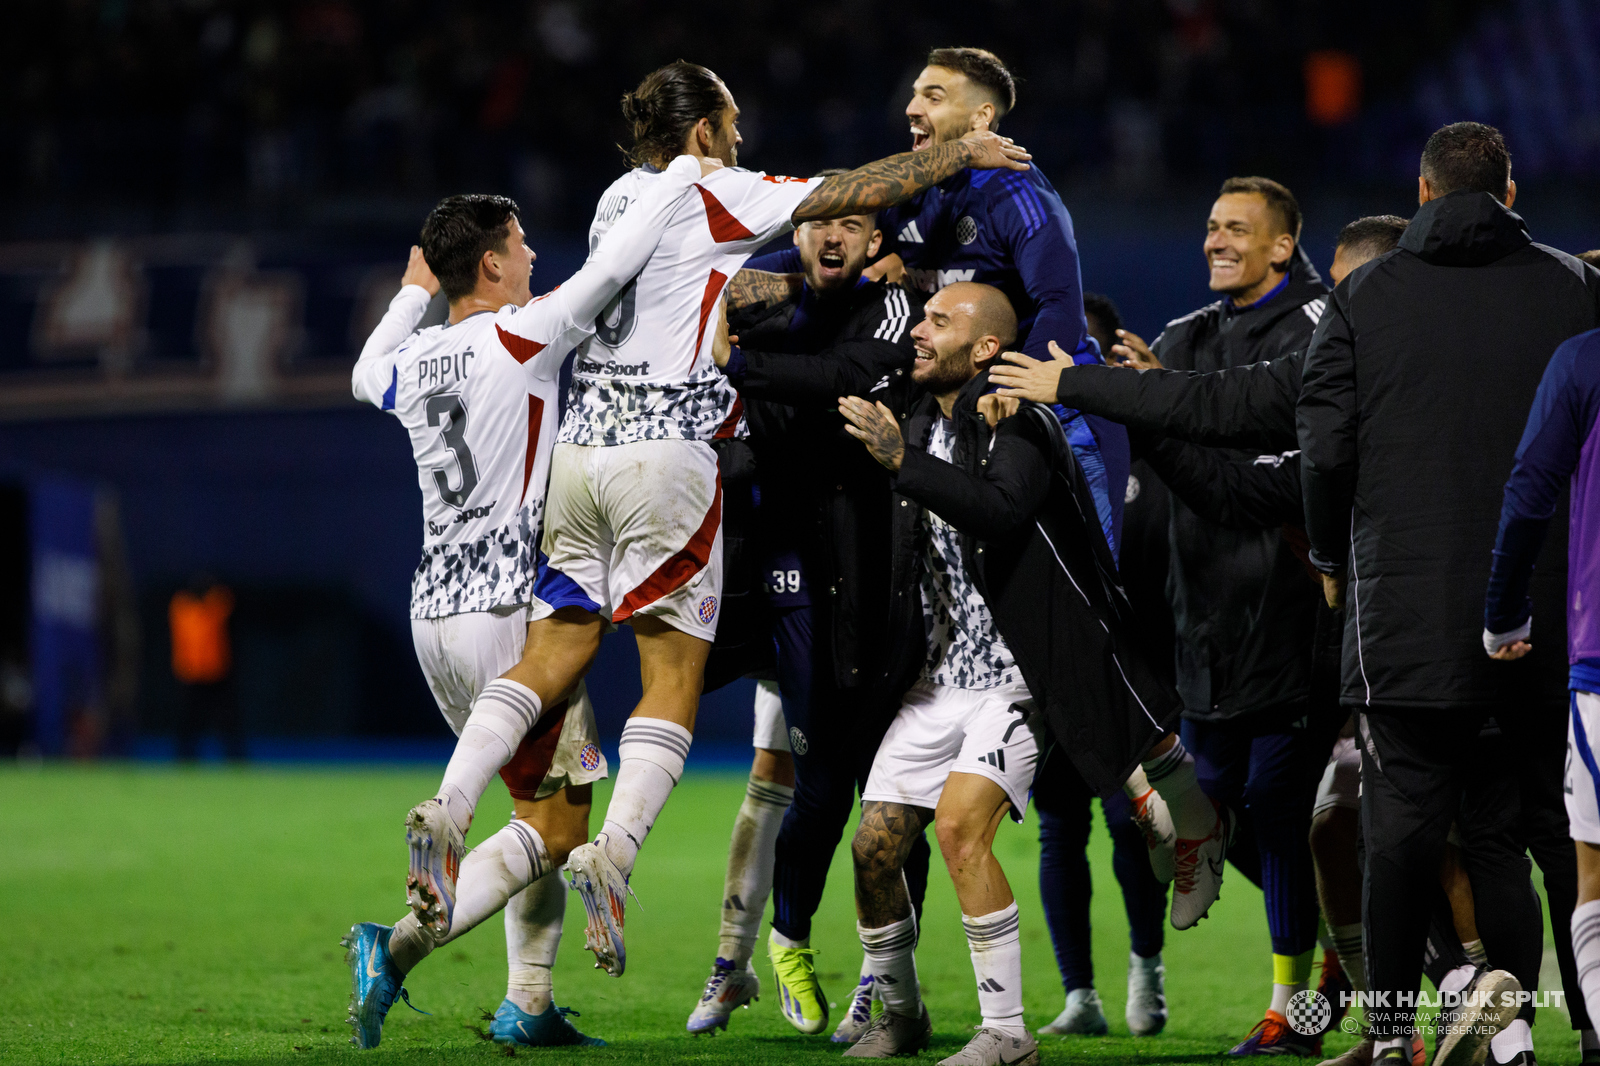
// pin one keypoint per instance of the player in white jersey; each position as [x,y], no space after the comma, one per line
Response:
[633,530]
[479,397]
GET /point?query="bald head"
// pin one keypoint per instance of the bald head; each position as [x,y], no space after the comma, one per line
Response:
[965,327]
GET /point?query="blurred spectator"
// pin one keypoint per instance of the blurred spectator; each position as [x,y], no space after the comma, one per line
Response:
[202,661]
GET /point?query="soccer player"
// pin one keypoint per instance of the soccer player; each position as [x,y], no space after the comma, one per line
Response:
[1560,447]
[823,528]
[965,741]
[479,397]
[633,531]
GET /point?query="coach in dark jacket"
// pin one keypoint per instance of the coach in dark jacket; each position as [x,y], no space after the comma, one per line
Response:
[1416,389]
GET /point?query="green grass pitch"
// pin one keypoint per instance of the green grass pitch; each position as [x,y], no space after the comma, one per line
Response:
[160,915]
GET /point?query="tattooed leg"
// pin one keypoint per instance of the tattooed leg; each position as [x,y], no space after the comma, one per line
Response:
[881,845]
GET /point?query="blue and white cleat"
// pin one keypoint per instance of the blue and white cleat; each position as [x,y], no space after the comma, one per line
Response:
[858,1012]
[437,848]
[604,891]
[727,989]
[374,981]
[514,1026]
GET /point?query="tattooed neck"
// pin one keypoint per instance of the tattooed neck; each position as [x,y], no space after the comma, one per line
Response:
[758,290]
[884,183]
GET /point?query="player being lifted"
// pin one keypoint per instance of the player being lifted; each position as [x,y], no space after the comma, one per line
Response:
[634,526]
[479,398]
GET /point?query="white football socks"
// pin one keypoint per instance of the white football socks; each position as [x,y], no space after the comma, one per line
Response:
[533,932]
[491,874]
[750,858]
[1475,952]
[650,758]
[1172,776]
[995,941]
[892,955]
[501,716]
[1505,1044]
[1347,945]
[1586,948]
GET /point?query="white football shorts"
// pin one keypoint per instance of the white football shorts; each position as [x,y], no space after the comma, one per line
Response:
[772,731]
[940,730]
[461,653]
[635,529]
[1582,783]
[1341,780]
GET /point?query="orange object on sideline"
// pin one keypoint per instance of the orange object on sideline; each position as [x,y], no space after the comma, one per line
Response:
[1333,87]
[201,650]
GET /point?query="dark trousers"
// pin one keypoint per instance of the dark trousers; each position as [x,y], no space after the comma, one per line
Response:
[1266,770]
[205,706]
[834,734]
[1420,771]
[1065,806]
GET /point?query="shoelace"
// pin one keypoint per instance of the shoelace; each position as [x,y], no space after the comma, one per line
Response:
[791,966]
[407,997]
[1186,862]
[1145,820]
[1269,1028]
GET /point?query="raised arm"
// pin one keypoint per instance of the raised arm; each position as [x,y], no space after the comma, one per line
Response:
[1243,407]
[900,177]
[1239,494]
[373,375]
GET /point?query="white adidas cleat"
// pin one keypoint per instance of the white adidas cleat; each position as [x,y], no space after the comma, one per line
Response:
[991,1047]
[1147,996]
[437,848]
[604,891]
[1084,1015]
[1197,871]
[1154,819]
[726,990]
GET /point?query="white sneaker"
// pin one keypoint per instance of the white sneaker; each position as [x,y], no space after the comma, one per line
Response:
[1154,819]
[726,991]
[604,891]
[1147,996]
[858,1012]
[1084,1015]
[1197,871]
[436,848]
[991,1047]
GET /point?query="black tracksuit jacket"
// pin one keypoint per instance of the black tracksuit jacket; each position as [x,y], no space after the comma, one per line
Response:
[1243,603]
[1032,545]
[822,497]
[1416,389]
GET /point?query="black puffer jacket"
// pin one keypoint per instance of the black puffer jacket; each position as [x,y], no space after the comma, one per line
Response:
[1243,603]
[1416,390]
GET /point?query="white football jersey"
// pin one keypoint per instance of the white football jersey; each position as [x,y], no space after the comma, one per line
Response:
[481,402]
[647,372]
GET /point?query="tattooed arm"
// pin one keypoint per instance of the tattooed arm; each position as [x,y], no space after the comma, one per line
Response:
[758,289]
[900,177]
[881,846]
[874,426]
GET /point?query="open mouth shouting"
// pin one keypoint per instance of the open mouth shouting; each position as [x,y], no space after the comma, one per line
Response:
[920,137]
[830,265]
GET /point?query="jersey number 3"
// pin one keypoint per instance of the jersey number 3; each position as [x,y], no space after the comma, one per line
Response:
[447,406]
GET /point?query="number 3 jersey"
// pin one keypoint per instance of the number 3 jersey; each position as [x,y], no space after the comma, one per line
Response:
[647,373]
[481,401]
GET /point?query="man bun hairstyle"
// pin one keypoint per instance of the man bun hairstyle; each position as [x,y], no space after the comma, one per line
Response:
[1281,204]
[984,69]
[1372,236]
[1467,156]
[457,233]
[666,106]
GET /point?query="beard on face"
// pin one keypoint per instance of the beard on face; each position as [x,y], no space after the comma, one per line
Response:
[947,372]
